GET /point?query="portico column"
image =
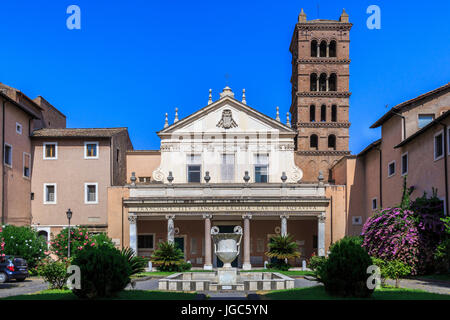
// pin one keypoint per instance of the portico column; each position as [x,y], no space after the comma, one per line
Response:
[321,234]
[284,225]
[247,265]
[208,261]
[328,80]
[132,219]
[328,50]
[170,228]
[318,50]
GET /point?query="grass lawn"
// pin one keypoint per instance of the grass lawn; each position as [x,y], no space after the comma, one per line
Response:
[318,293]
[165,274]
[124,295]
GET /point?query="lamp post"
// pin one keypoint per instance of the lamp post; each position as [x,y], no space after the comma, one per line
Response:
[69,216]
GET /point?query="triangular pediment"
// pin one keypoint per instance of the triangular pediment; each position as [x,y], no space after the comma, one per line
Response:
[227,115]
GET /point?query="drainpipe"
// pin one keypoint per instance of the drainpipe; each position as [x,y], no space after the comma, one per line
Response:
[445,166]
[3,162]
[381,176]
[404,124]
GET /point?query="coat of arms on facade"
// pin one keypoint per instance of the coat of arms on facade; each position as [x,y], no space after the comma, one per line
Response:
[227,121]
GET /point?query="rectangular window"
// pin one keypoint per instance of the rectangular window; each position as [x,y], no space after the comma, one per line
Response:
[49,193]
[194,168]
[261,168]
[425,119]
[91,150]
[146,241]
[18,128]
[357,220]
[91,193]
[227,167]
[26,164]
[8,155]
[144,179]
[391,169]
[404,164]
[374,204]
[117,155]
[438,146]
[50,150]
[193,246]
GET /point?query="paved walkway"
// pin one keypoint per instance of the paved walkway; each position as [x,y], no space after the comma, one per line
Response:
[14,288]
[434,286]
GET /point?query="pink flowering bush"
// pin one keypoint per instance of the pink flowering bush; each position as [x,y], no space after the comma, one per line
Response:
[400,234]
[80,239]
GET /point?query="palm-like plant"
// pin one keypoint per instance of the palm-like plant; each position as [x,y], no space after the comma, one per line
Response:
[136,263]
[283,247]
[167,256]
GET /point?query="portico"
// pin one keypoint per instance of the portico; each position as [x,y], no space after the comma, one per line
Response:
[176,215]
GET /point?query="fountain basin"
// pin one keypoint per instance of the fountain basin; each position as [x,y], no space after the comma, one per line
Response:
[209,281]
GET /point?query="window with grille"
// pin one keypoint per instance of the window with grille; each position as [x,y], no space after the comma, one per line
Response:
[146,241]
[91,193]
[50,193]
[438,146]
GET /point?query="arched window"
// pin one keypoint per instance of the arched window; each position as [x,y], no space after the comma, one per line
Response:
[332,82]
[334,113]
[43,234]
[314,48]
[332,50]
[312,113]
[332,141]
[323,48]
[323,113]
[323,82]
[313,82]
[313,141]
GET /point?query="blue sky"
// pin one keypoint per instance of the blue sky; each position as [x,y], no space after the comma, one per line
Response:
[132,61]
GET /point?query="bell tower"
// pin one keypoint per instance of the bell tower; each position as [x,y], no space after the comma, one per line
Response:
[320,93]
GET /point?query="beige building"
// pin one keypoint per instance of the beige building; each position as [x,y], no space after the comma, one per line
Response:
[20,116]
[412,133]
[73,169]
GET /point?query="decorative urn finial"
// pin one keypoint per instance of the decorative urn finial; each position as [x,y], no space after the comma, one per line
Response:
[278,114]
[170,177]
[176,115]
[210,96]
[166,122]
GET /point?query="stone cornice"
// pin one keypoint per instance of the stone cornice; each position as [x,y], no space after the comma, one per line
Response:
[324,124]
[322,153]
[331,94]
[324,26]
[319,60]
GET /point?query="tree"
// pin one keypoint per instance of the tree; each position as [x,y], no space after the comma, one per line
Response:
[168,257]
[282,248]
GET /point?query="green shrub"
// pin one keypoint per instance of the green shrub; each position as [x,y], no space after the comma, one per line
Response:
[55,273]
[168,257]
[344,273]
[104,272]
[442,257]
[22,242]
[137,264]
[278,264]
[315,263]
[185,266]
[395,270]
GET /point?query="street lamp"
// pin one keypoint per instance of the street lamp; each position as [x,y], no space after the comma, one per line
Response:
[69,216]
